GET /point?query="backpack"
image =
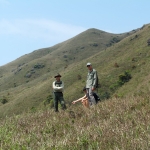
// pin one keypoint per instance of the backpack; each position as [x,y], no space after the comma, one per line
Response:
[97,98]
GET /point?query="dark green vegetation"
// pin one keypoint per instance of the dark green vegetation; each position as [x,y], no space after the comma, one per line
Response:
[120,122]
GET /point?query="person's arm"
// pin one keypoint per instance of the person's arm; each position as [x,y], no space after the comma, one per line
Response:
[80,99]
[84,99]
[61,88]
[94,80]
[55,87]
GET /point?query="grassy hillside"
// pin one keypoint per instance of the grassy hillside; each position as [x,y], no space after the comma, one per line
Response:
[120,123]
[29,85]
[57,58]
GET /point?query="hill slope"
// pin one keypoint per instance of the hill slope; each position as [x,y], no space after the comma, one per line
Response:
[32,66]
[31,85]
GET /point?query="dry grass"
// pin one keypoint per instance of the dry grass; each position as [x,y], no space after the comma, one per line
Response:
[117,124]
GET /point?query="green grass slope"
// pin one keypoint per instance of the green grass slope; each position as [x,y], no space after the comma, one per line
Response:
[132,53]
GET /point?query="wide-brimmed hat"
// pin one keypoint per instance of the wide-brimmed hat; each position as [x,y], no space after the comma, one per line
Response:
[58,75]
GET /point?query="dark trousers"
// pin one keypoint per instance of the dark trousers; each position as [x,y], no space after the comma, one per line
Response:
[58,97]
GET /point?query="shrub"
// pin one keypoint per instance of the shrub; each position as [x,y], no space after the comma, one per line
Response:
[115,40]
[15,84]
[39,66]
[48,100]
[3,100]
[105,95]
[113,87]
[95,44]
[33,109]
[116,65]
[124,78]
[148,42]
[65,56]
[79,77]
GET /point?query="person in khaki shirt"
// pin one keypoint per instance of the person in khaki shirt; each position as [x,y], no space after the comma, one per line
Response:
[91,83]
[83,100]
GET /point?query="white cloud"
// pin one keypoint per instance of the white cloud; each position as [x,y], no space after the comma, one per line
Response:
[39,28]
[7,27]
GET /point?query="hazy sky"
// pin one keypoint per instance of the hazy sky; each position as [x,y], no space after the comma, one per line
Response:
[28,25]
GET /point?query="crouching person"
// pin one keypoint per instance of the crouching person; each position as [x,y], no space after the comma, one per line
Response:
[58,87]
[83,100]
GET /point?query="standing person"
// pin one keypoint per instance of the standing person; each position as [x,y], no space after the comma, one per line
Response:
[91,83]
[58,87]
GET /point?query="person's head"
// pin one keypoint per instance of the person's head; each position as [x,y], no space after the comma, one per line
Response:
[57,77]
[89,66]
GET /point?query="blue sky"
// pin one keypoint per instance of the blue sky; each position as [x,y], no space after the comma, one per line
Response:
[28,25]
